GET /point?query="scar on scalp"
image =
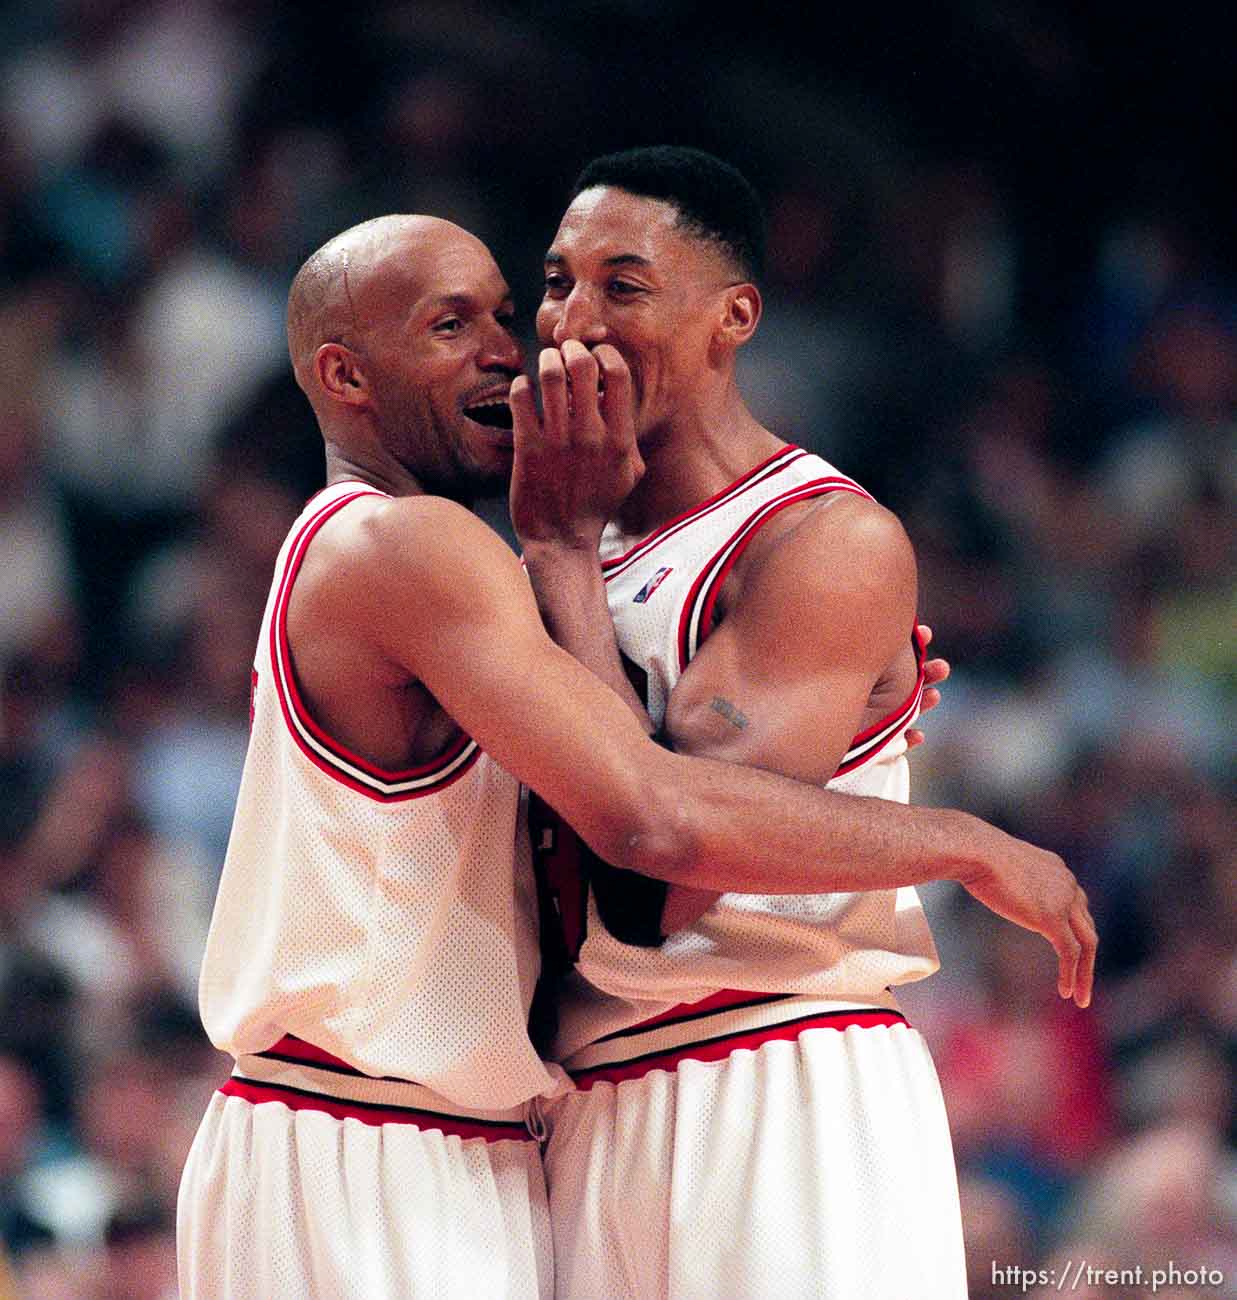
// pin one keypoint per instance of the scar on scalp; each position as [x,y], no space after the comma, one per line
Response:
[729,712]
[348,290]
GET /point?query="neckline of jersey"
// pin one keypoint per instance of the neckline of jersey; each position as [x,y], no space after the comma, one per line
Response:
[790,450]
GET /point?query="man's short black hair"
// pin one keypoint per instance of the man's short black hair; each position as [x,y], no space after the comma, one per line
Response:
[714,199]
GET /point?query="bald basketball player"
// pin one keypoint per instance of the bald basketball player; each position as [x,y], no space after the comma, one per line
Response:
[753,1115]
[373,952]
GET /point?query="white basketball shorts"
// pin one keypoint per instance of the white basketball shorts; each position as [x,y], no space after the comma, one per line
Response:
[789,1148]
[306,1182]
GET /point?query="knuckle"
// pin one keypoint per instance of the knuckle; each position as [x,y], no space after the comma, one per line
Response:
[580,368]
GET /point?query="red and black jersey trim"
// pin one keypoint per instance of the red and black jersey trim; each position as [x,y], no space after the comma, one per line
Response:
[326,753]
[766,470]
[871,740]
[374,1113]
[685,1012]
[296,1051]
[719,1047]
[696,619]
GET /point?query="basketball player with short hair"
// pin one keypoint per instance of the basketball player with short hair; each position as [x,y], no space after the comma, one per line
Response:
[753,1115]
[373,953]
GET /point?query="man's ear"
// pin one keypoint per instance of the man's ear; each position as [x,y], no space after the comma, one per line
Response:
[741,311]
[341,374]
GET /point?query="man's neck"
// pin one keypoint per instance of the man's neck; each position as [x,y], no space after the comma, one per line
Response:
[388,475]
[691,460]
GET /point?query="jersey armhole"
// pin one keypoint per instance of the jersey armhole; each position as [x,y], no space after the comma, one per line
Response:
[323,750]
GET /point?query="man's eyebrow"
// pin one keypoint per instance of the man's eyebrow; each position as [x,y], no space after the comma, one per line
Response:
[619,259]
[460,301]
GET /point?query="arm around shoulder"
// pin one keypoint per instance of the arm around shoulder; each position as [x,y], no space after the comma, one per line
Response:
[447,604]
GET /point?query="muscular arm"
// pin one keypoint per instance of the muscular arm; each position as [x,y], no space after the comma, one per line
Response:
[572,470]
[823,612]
[783,683]
[571,597]
[863,843]
[476,642]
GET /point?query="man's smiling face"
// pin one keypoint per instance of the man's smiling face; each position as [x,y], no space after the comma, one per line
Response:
[623,270]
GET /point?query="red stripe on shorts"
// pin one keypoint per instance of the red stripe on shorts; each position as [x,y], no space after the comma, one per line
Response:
[717,1049]
[372,1113]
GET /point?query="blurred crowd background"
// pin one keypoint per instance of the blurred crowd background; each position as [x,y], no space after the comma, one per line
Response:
[1001,292]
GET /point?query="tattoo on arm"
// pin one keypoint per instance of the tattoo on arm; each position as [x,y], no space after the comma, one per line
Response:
[729,712]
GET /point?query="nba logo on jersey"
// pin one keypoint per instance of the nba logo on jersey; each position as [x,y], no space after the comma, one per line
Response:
[653,583]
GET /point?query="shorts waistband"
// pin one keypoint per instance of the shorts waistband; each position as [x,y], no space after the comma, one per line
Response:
[714,1027]
[303,1077]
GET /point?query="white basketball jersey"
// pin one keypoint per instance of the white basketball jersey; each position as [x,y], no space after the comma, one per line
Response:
[662,591]
[388,918]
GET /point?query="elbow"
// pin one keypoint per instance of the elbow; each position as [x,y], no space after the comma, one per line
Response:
[652,835]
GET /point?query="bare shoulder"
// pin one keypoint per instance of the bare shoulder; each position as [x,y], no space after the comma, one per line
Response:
[832,588]
[846,519]
[407,530]
[395,546]
[838,543]
[383,589]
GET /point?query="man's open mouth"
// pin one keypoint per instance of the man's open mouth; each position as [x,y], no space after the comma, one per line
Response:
[494,413]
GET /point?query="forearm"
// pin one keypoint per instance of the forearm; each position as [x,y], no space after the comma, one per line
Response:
[571,595]
[698,827]
[750,831]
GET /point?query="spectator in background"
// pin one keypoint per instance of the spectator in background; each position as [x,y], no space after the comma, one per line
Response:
[35,559]
[193,609]
[1035,1140]
[21,1118]
[140,1241]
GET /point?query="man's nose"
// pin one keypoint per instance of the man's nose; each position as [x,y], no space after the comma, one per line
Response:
[579,319]
[501,350]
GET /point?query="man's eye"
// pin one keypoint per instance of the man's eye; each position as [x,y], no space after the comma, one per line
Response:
[450,325]
[623,287]
[556,286]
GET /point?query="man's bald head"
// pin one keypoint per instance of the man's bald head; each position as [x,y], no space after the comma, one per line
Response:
[325,303]
[401,336]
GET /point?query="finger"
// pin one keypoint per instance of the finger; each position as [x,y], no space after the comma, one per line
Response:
[585,426]
[935,670]
[1069,950]
[553,379]
[925,635]
[914,737]
[525,425]
[929,700]
[1088,939]
[616,397]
